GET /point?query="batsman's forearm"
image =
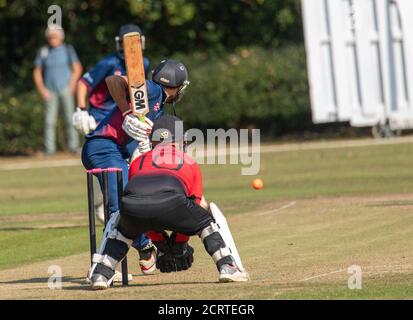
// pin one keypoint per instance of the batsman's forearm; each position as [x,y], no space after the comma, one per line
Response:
[118,88]
[81,95]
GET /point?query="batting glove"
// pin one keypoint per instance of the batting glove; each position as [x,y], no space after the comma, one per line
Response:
[137,129]
[83,122]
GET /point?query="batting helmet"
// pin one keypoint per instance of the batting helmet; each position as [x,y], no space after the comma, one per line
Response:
[171,73]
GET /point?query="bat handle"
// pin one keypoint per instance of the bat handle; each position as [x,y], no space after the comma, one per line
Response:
[140,116]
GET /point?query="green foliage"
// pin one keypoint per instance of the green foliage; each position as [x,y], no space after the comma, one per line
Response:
[252,87]
[170,26]
[21,122]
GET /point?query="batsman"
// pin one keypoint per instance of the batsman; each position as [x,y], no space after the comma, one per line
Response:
[138,103]
[164,193]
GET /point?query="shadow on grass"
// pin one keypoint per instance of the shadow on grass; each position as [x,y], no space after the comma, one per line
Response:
[139,285]
[280,286]
[44,280]
[82,285]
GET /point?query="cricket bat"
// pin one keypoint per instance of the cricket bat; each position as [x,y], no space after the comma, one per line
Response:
[135,70]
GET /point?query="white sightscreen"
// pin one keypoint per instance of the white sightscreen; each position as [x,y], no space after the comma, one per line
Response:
[360,60]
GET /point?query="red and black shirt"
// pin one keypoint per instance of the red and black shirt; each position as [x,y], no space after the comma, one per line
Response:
[166,161]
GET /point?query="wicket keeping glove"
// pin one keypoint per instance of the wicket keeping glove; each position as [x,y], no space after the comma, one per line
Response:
[165,261]
[183,254]
[173,256]
[137,129]
[83,122]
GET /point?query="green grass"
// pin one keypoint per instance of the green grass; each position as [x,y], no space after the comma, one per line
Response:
[390,287]
[303,174]
[38,245]
[297,174]
[35,191]
[309,237]
[287,175]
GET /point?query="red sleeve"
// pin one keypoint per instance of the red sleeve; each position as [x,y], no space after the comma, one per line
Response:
[197,186]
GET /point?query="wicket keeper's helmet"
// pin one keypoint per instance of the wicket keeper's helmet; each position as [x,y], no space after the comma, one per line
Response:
[167,128]
[171,73]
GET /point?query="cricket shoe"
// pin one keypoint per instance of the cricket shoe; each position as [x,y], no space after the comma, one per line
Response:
[231,273]
[117,277]
[99,282]
[147,259]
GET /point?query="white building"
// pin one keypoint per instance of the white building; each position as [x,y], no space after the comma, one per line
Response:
[360,61]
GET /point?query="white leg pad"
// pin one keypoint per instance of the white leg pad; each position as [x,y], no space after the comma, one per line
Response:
[105,260]
[212,228]
[225,233]
[119,236]
[110,233]
[221,253]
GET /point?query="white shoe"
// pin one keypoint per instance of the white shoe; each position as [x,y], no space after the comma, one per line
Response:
[118,276]
[99,282]
[147,260]
[100,213]
[231,273]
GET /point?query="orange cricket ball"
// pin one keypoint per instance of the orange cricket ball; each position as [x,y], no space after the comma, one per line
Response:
[257,184]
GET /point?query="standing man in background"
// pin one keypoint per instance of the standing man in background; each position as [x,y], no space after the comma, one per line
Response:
[57,69]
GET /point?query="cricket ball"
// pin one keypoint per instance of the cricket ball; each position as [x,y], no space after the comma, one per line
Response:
[257,184]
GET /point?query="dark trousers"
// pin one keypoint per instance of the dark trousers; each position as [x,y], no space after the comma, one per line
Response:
[172,211]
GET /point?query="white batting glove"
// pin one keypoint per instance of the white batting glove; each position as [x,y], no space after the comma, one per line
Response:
[137,129]
[143,147]
[83,122]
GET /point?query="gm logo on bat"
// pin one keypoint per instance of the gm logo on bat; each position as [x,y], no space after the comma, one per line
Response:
[138,97]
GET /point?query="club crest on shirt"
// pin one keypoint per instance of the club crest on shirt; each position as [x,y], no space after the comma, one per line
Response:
[156,107]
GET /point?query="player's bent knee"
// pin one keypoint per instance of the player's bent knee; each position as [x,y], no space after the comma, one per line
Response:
[130,227]
[116,249]
[215,245]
